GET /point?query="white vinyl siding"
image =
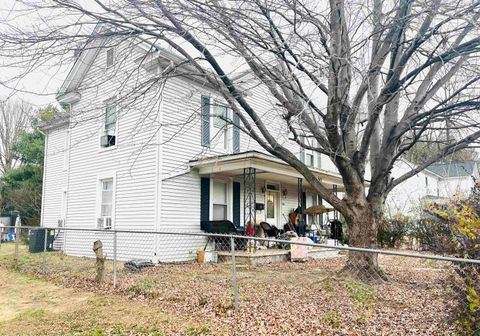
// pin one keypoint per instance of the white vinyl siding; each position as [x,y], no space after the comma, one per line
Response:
[55,176]
[134,162]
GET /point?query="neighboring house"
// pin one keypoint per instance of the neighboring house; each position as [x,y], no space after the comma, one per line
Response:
[158,160]
[437,183]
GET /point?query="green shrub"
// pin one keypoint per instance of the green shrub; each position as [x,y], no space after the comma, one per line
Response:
[392,230]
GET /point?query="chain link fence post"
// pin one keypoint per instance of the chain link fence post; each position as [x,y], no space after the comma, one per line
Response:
[17,240]
[44,257]
[114,258]
[234,274]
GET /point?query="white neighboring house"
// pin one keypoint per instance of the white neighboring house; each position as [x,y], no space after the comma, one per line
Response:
[159,160]
[436,183]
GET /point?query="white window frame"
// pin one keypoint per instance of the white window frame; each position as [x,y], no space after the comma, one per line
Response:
[112,50]
[103,130]
[227,132]
[100,179]
[312,142]
[229,185]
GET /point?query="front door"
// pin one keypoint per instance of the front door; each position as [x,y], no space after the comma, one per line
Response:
[272,207]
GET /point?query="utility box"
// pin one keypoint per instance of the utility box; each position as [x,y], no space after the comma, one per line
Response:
[36,239]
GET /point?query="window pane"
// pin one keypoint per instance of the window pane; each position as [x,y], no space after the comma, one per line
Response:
[110,117]
[219,121]
[219,212]
[309,161]
[270,206]
[107,197]
[110,57]
[106,210]
[107,185]
[219,193]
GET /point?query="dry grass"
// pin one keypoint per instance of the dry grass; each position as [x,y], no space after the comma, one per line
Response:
[193,299]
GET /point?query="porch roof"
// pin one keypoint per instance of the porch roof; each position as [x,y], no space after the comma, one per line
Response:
[267,167]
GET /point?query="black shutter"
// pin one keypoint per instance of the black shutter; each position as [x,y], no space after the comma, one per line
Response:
[236,133]
[205,119]
[204,202]
[236,203]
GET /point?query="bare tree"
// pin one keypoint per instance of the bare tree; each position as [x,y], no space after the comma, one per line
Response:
[14,119]
[362,81]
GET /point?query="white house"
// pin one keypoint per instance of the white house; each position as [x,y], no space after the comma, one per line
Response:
[438,182]
[157,159]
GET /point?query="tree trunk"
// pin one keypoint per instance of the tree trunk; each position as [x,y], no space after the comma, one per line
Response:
[363,225]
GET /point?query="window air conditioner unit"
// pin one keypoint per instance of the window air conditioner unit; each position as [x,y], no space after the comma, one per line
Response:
[107,140]
[108,222]
[104,222]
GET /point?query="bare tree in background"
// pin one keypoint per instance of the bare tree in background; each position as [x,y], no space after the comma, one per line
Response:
[363,81]
[15,117]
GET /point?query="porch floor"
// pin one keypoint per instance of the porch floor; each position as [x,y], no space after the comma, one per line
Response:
[272,255]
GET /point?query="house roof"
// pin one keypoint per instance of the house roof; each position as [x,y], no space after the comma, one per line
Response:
[155,53]
[59,121]
[454,168]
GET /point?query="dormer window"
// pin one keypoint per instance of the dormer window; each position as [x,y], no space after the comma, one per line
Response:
[110,57]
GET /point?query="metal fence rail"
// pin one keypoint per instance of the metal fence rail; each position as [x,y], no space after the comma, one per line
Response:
[245,269]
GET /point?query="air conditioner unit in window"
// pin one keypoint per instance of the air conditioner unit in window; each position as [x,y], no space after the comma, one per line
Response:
[104,222]
[107,140]
[108,222]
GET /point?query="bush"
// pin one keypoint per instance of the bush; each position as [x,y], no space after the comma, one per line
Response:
[458,233]
[392,231]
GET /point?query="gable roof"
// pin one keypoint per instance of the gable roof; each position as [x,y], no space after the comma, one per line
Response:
[453,169]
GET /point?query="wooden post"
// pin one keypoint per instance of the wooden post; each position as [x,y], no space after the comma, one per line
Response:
[100,262]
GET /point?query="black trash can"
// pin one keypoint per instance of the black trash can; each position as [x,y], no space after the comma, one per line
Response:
[36,239]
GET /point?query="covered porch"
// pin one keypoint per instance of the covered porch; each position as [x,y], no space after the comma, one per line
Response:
[257,192]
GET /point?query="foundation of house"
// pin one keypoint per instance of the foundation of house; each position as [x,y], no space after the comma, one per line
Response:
[268,256]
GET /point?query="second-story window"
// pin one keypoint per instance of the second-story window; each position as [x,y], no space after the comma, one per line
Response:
[110,57]
[220,125]
[308,156]
[109,138]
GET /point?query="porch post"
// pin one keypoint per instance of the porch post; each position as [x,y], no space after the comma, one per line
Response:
[301,224]
[299,191]
[335,192]
[249,199]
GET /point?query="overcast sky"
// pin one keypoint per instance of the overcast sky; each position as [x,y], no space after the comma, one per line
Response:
[41,84]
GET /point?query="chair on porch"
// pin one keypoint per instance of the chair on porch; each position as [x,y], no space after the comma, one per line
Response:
[270,231]
[224,227]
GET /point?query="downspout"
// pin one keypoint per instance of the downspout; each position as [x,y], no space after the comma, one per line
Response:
[158,174]
[43,176]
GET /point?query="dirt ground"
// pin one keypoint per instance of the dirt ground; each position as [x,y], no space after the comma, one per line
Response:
[61,298]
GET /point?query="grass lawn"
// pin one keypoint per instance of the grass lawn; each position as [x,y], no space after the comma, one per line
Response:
[191,299]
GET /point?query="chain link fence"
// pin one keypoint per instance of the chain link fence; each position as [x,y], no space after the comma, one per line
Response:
[255,282]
